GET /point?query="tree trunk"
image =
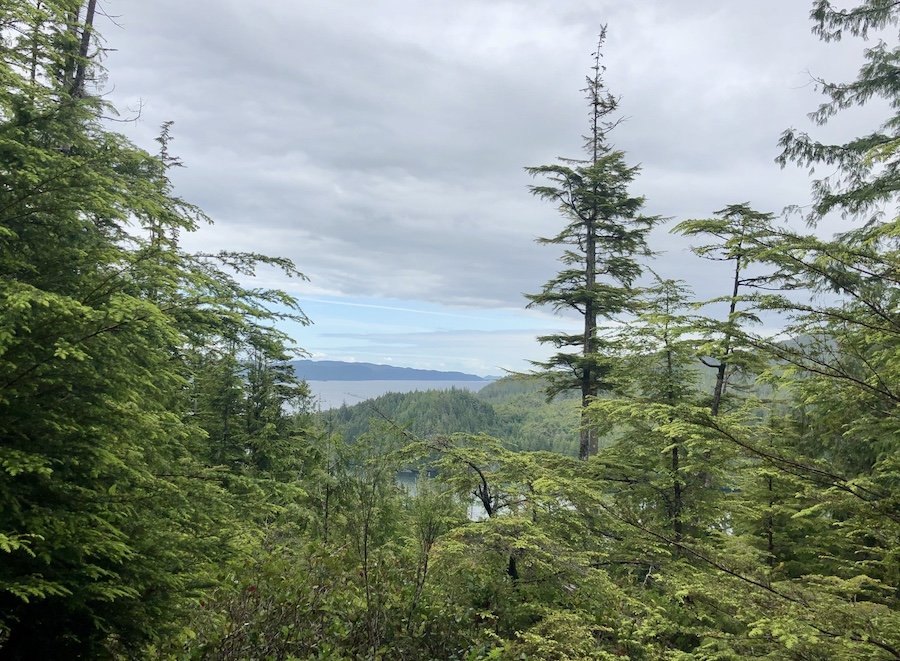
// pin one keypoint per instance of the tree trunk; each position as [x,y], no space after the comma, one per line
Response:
[81,66]
[719,391]
[677,504]
[588,438]
[512,570]
[770,525]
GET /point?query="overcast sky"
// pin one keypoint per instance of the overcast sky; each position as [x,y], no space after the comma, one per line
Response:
[381,145]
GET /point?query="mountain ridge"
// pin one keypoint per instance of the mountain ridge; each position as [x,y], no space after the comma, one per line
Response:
[337,370]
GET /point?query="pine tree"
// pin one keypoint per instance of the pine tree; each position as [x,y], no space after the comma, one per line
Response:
[603,237]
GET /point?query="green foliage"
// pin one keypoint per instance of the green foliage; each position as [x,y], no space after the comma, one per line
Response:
[421,413]
[111,521]
[165,494]
[602,238]
[866,167]
[514,409]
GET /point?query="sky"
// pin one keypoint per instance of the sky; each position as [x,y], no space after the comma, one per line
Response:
[382,145]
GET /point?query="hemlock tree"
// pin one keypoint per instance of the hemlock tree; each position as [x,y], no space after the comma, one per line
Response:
[603,237]
[110,522]
[816,506]
[865,170]
[851,364]
[664,470]
[733,230]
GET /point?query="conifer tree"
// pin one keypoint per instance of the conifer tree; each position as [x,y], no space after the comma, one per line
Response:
[653,378]
[814,518]
[109,519]
[865,169]
[733,230]
[603,237]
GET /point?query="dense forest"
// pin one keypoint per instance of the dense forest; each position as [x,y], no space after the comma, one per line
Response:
[696,489]
[514,410]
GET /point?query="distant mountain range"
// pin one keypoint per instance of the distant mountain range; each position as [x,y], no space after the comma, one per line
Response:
[336,370]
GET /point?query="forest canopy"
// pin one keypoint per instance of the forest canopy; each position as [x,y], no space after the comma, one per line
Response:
[166,492]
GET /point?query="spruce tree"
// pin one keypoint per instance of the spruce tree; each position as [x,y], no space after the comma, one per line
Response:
[603,237]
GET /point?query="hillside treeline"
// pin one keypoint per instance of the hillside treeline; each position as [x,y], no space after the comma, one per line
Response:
[514,410]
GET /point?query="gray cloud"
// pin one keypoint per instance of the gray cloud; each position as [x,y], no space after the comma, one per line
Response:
[381,145]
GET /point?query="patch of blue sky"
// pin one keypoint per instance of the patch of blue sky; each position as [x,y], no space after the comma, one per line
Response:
[422,334]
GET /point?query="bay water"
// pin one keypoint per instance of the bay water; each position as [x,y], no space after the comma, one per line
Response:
[333,394]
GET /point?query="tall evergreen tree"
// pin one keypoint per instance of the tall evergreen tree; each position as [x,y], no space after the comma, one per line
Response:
[603,237]
[815,518]
[109,520]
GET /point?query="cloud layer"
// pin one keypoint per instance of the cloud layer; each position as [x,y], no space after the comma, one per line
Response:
[381,145]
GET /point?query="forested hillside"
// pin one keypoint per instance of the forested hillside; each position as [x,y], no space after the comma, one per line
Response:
[425,413]
[514,410]
[164,494]
[528,420]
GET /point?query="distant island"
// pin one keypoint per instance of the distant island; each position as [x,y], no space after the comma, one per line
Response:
[336,370]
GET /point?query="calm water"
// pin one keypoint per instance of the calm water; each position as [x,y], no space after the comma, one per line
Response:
[410,481]
[332,394]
